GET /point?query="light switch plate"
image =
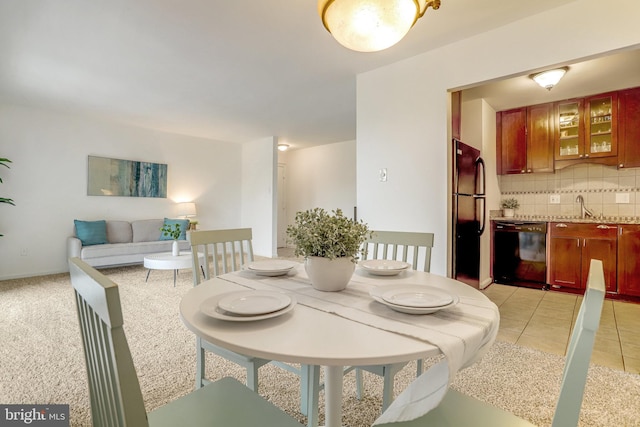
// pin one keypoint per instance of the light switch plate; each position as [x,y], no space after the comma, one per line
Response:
[554,199]
[622,197]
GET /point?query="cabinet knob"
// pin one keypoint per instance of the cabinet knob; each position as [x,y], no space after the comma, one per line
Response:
[522,171]
[621,165]
[528,170]
[561,225]
[580,156]
[604,227]
[586,155]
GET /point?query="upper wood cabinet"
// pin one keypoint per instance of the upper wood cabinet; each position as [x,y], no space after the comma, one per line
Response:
[524,138]
[511,139]
[629,128]
[540,134]
[587,130]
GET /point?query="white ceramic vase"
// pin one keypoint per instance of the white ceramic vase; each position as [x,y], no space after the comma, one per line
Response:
[175,249]
[329,275]
[508,213]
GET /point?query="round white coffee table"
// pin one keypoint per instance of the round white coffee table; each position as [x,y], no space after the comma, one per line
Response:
[166,261]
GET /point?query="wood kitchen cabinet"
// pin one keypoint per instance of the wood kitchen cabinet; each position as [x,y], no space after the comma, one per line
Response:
[571,248]
[628,260]
[587,129]
[629,128]
[525,140]
[511,140]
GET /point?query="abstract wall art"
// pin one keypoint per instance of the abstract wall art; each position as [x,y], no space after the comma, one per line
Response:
[126,178]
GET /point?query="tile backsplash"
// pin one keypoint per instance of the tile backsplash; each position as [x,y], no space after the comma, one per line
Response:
[600,186]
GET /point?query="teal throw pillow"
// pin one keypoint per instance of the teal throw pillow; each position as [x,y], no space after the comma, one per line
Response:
[91,232]
[184,225]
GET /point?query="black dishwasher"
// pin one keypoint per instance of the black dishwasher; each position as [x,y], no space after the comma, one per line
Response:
[519,253]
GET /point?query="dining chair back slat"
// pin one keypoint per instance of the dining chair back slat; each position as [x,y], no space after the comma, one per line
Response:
[414,248]
[115,395]
[224,251]
[114,390]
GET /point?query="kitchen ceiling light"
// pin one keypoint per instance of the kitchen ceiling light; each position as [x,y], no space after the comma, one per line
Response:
[371,25]
[548,79]
[283,147]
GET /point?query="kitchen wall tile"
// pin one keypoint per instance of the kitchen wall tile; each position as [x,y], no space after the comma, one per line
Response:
[610,210]
[626,210]
[596,183]
[627,181]
[581,171]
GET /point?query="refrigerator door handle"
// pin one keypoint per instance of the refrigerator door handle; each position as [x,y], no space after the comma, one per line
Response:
[481,166]
[482,200]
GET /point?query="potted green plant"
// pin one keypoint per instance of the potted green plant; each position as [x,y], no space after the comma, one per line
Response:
[330,243]
[509,206]
[172,231]
[4,162]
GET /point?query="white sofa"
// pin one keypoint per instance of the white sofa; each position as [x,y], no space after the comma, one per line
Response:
[129,243]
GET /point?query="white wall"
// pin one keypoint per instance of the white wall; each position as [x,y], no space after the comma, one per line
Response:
[403,108]
[259,166]
[479,130]
[322,176]
[48,181]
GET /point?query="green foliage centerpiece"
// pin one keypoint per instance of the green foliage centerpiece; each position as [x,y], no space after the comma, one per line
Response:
[172,231]
[331,244]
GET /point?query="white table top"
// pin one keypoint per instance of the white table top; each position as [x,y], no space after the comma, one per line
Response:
[310,336]
[166,261]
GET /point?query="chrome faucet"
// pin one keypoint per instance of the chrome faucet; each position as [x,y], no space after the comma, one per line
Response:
[584,212]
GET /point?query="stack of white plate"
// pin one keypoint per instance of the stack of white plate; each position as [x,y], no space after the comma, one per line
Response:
[414,299]
[271,267]
[244,306]
[384,267]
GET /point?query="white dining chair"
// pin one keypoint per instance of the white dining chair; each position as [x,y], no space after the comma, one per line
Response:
[115,396]
[226,251]
[458,409]
[414,248]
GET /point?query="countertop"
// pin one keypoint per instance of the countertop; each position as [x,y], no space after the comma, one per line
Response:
[573,219]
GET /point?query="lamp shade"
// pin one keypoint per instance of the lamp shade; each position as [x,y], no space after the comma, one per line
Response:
[371,25]
[550,78]
[186,209]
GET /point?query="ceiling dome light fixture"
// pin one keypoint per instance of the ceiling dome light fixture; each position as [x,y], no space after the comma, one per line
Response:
[548,79]
[371,25]
[283,147]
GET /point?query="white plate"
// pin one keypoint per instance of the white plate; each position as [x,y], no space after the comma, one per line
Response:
[417,296]
[253,303]
[377,292]
[209,307]
[384,267]
[271,267]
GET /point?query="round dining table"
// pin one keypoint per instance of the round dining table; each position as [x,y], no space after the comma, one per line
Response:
[306,335]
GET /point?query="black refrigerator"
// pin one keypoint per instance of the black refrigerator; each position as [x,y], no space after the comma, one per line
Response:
[468,207]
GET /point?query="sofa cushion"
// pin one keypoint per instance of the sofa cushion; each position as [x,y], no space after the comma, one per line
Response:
[184,226]
[119,232]
[146,230]
[91,232]
[129,249]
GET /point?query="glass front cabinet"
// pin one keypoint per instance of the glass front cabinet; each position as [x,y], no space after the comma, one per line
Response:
[586,127]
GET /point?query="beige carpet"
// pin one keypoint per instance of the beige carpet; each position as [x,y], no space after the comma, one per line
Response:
[41,359]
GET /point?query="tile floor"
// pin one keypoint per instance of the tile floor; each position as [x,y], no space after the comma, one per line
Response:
[542,320]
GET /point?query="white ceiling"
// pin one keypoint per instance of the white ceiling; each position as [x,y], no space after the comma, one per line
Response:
[228,70]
